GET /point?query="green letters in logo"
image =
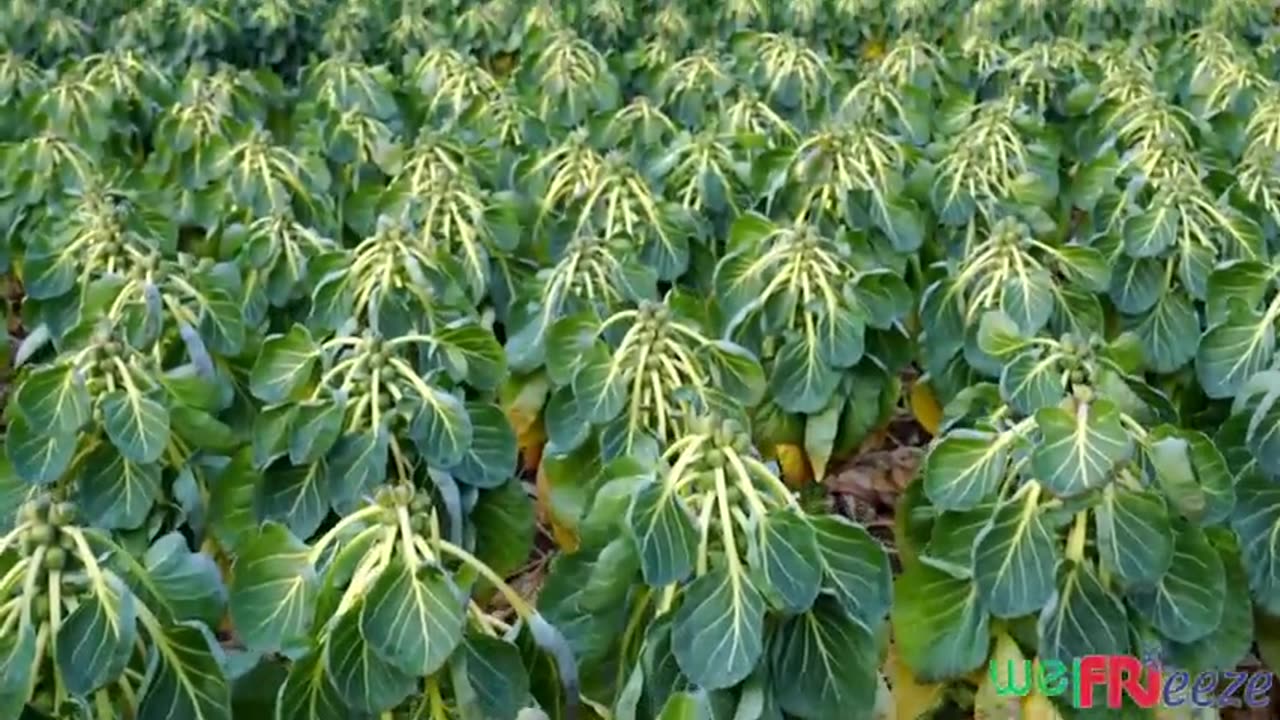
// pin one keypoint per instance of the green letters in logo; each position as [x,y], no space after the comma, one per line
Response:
[1050,678]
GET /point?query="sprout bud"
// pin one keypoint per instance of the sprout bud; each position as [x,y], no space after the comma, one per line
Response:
[55,559]
[42,534]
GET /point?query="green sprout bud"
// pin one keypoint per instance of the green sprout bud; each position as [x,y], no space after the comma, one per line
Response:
[700,425]
[403,494]
[55,559]
[42,534]
[64,513]
[714,459]
[384,496]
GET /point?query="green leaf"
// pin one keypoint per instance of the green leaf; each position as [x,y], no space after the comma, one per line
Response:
[964,468]
[505,526]
[569,339]
[1214,476]
[1136,284]
[598,385]
[841,341]
[903,222]
[1233,350]
[187,681]
[1170,458]
[941,628]
[1225,647]
[1015,557]
[801,382]
[490,460]
[1086,266]
[953,536]
[1235,282]
[884,296]
[664,533]
[1257,522]
[1079,450]
[231,514]
[202,430]
[272,430]
[95,641]
[413,617]
[737,371]
[998,334]
[442,429]
[1187,603]
[1028,299]
[1152,232]
[1135,536]
[717,635]
[1031,381]
[284,365]
[222,324]
[686,706]
[297,496]
[315,428]
[365,681]
[186,585]
[38,455]
[116,493]
[307,693]
[497,675]
[54,397]
[825,663]
[820,431]
[1169,332]
[17,660]
[137,425]
[855,567]
[789,560]
[1082,618]
[48,275]
[477,352]
[357,464]
[273,590]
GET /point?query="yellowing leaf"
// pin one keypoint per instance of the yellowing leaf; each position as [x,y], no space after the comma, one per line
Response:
[1012,670]
[564,535]
[1038,707]
[911,698]
[925,407]
[795,465]
[522,400]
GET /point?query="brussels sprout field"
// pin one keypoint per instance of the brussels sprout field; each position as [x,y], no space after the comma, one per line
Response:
[463,359]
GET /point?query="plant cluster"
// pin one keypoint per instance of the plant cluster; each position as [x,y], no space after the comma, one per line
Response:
[321,307]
